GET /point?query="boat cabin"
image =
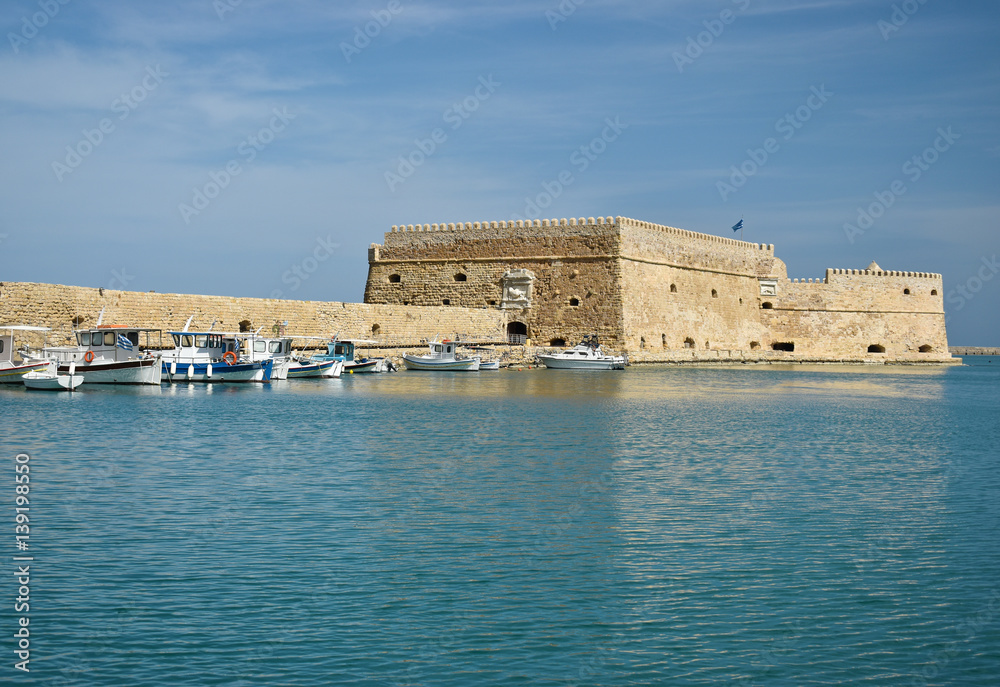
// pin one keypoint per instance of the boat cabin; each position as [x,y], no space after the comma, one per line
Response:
[261,348]
[200,347]
[108,342]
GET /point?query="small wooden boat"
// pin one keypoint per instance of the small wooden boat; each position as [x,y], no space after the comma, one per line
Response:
[491,365]
[50,380]
[12,371]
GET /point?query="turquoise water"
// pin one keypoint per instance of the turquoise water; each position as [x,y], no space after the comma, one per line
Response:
[658,526]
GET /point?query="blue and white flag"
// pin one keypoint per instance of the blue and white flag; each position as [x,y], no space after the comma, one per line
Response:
[738,225]
[124,343]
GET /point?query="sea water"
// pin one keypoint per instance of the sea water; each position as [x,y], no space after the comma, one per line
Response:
[753,525]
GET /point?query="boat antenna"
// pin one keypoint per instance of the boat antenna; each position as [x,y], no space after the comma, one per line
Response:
[100,317]
[188,323]
[213,324]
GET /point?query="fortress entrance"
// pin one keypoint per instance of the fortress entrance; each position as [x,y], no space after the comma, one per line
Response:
[517,333]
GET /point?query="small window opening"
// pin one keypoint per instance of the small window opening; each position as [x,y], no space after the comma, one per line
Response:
[715,294]
[876,348]
[461,277]
[689,342]
[673,288]
[394,278]
[245,325]
[906,291]
[663,340]
[933,292]
[926,348]
[754,345]
[446,301]
[766,305]
[574,302]
[783,346]
[642,342]
[376,330]
[557,342]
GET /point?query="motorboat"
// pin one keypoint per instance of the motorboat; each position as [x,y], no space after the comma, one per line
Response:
[489,365]
[442,357]
[278,349]
[50,380]
[11,371]
[211,357]
[344,349]
[586,355]
[108,354]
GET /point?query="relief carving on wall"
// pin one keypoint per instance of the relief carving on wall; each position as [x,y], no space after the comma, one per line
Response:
[516,288]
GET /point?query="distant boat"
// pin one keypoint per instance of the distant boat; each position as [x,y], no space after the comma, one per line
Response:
[491,365]
[11,372]
[441,358]
[586,355]
[50,380]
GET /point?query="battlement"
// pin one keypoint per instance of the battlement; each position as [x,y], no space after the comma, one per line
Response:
[694,235]
[883,273]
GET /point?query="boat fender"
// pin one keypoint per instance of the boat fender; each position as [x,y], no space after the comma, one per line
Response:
[229,358]
[88,356]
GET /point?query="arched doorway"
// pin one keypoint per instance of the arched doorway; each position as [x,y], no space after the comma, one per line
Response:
[517,333]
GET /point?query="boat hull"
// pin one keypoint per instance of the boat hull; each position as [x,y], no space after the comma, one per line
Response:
[13,375]
[324,369]
[422,364]
[365,367]
[221,372]
[138,371]
[556,363]
[46,381]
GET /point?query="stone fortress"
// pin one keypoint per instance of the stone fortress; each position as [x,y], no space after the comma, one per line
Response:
[660,293]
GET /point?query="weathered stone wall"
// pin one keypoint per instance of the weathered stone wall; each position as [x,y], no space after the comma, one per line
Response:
[577,274]
[57,306]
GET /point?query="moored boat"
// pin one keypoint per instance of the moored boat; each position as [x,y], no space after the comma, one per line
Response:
[11,371]
[442,357]
[306,368]
[586,355]
[50,380]
[211,357]
[344,349]
[108,354]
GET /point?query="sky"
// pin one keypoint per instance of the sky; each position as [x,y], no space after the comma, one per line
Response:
[257,147]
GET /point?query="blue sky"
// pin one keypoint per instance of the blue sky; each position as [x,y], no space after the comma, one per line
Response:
[121,119]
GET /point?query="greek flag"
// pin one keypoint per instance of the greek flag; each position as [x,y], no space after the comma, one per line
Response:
[738,225]
[124,343]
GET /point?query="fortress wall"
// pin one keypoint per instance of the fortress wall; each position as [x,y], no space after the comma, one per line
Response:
[570,259]
[56,306]
[657,318]
[881,291]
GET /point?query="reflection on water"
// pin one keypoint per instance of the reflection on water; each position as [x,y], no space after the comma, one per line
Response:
[661,525]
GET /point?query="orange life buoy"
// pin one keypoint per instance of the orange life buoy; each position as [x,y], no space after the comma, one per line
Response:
[88,356]
[229,358]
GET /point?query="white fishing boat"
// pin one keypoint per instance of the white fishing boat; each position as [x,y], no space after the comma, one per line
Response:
[586,355]
[304,368]
[12,371]
[50,380]
[260,348]
[442,357]
[108,354]
[490,365]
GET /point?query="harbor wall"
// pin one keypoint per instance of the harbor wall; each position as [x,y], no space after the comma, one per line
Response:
[63,307]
